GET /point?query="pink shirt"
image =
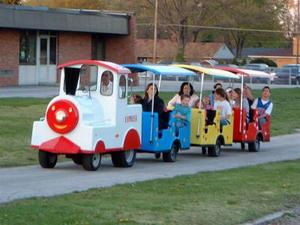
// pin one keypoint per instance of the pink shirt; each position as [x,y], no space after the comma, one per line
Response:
[177,100]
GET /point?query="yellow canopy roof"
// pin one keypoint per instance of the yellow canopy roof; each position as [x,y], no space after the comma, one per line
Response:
[208,71]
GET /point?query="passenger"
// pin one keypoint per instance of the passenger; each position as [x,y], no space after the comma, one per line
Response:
[264,105]
[223,106]
[229,97]
[106,83]
[205,104]
[182,112]
[159,105]
[185,89]
[248,94]
[237,101]
[136,99]
[212,95]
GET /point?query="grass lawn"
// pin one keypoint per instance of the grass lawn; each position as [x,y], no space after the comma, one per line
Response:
[227,197]
[18,114]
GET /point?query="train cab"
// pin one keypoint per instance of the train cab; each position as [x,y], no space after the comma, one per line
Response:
[90,117]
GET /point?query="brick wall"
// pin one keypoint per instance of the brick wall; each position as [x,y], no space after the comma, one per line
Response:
[74,46]
[9,57]
[121,49]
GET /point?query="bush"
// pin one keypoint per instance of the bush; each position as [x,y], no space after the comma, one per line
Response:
[267,61]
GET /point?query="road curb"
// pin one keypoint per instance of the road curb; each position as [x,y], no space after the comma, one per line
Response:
[268,218]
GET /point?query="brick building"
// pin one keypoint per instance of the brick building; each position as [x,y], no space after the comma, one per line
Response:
[34,40]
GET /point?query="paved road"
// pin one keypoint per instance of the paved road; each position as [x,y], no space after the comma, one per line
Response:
[30,181]
[50,91]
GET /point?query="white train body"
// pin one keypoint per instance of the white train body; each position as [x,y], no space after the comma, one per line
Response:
[88,121]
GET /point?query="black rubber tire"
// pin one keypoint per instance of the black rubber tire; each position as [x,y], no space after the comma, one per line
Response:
[91,162]
[157,155]
[215,150]
[204,150]
[47,159]
[171,155]
[77,159]
[123,158]
[254,146]
[243,146]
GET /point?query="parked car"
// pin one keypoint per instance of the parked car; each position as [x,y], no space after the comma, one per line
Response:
[259,67]
[289,73]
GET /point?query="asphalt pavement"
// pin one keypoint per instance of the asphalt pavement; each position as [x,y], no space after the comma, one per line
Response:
[34,181]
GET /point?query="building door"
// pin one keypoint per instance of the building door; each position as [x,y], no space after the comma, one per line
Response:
[46,59]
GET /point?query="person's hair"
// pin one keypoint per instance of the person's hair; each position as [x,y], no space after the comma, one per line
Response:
[182,86]
[238,91]
[137,99]
[147,88]
[184,96]
[221,92]
[217,84]
[266,87]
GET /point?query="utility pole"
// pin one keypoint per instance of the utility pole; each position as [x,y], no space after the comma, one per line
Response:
[155,32]
[297,33]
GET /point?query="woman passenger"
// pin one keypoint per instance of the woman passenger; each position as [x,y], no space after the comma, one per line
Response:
[237,101]
[223,106]
[186,88]
[151,94]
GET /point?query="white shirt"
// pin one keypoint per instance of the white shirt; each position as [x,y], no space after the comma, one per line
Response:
[177,100]
[106,90]
[224,107]
[268,110]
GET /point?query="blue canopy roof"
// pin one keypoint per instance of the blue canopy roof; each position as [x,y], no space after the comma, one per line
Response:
[163,70]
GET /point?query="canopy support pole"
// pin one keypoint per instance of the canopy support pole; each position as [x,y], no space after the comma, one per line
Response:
[152,109]
[241,103]
[200,104]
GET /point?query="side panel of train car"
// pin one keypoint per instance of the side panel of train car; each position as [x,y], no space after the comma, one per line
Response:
[83,123]
[207,132]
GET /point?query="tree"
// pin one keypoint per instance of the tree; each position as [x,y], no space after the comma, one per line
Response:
[11,2]
[251,14]
[177,15]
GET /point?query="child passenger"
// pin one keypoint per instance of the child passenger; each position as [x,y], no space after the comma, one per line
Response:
[222,105]
[182,112]
[136,99]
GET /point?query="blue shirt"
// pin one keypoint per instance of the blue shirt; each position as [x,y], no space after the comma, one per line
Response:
[184,111]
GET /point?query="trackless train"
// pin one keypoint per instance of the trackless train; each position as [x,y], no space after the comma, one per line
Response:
[91,117]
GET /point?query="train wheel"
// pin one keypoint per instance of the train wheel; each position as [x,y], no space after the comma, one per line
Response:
[171,155]
[243,146]
[47,159]
[215,150]
[91,162]
[123,158]
[77,159]
[204,150]
[255,146]
[157,155]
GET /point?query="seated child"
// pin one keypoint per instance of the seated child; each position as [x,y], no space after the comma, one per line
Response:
[182,112]
[136,99]
[222,105]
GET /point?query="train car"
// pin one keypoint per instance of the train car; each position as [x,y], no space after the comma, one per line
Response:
[90,117]
[170,140]
[248,131]
[206,131]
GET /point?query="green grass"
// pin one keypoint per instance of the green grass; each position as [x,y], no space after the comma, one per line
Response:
[226,197]
[18,114]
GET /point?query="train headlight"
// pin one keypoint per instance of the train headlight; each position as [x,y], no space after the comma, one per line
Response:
[62,116]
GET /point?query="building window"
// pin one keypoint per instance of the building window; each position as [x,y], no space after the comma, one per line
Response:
[27,48]
[53,50]
[98,48]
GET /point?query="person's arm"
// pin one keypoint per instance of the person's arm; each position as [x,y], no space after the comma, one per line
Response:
[269,109]
[173,101]
[228,111]
[254,105]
